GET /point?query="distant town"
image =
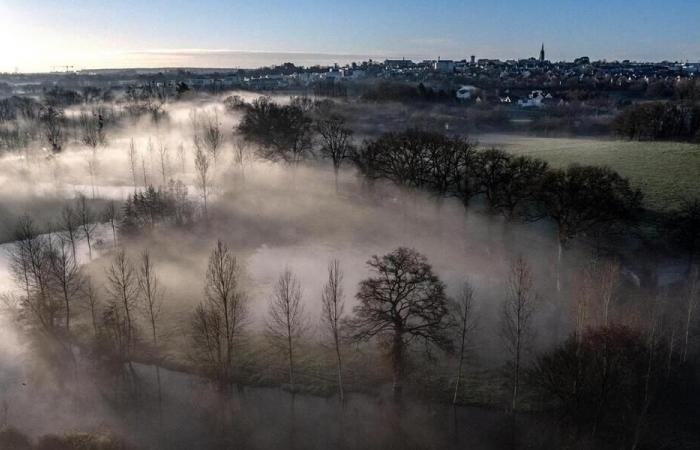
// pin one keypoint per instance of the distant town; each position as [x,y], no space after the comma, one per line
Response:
[529,83]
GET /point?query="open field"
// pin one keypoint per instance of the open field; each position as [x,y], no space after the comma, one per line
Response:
[665,171]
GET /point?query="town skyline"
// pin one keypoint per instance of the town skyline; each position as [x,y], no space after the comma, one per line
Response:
[38,35]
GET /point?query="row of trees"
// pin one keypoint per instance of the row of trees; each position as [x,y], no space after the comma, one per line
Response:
[403,303]
[578,199]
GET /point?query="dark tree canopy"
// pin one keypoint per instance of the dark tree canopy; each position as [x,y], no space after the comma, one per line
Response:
[146,209]
[509,183]
[602,379]
[336,139]
[583,198]
[419,159]
[283,131]
[683,227]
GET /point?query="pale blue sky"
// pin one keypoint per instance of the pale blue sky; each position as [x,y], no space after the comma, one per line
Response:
[36,34]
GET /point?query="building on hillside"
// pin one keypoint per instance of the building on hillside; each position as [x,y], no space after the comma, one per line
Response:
[398,63]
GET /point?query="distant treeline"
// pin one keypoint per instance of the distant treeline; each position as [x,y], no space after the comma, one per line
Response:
[403,92]
[659,121]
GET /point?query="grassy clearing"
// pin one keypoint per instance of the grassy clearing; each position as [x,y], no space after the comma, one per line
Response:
[666,172]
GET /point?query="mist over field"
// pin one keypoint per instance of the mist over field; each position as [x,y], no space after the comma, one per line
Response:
[236,226]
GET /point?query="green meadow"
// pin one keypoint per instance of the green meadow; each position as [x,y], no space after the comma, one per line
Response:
[666,172]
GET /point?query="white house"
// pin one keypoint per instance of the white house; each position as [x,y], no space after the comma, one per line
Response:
[535,99]
[467,92]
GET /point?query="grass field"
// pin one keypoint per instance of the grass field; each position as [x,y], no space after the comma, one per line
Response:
[666,172]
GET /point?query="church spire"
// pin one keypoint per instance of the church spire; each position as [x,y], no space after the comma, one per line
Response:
[542,53]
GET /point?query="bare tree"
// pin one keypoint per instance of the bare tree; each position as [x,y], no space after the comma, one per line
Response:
[516,323]
[152,297]
[213,136]
[464,311]
[66,275]
[143,170]
[92,302]
[150,149]
[336,141]
[182,156]
[30,266]
[691,302]
[609,280]
[240,151]
[218,322]
[91,131]
[333,307]
[132,161]
[403,301]
[151,294]
[86,220]
[52,119]
[111,215]
[123,290]
[201,164]
[286,320]
[93,164]
[164,162]
[70,225]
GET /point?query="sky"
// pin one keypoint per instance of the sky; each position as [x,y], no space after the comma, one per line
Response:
[43,35]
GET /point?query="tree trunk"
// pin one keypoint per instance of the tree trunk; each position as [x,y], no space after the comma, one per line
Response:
[397,364]
[291,356]
[340,371]
[461,360]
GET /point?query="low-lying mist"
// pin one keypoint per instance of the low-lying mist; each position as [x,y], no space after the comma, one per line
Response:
[273,216]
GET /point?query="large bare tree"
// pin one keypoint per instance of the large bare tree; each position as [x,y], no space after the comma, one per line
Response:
[403,301]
